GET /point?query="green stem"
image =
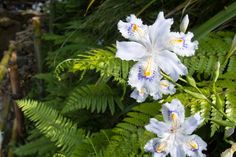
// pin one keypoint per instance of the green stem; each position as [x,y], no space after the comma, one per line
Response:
[183,80]
[229,54]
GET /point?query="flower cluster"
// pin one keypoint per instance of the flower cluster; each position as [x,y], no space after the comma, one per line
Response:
[174,134]
[154,48]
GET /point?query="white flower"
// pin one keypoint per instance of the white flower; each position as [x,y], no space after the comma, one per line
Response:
[174,134]
[154,48]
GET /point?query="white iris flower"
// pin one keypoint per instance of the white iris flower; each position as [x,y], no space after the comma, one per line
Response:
[154,48]
[174,134]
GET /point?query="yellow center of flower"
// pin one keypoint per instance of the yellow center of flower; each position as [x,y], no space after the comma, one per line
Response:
[173,116]
[161,147]
[135,27]
[147,73]
[193,145]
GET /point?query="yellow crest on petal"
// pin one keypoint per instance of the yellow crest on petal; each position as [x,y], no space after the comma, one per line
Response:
[161,147]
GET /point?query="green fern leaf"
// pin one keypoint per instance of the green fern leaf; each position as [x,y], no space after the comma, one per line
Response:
[100,60]
[53,125]
[95,97]
[32,148]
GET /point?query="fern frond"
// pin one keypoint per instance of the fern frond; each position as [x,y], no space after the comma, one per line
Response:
[63,66]
[95,97]
[231,70]
[94,145]
[215,115]
[100,60]
[53,125]
[32,148]
[129,132]
[230,104]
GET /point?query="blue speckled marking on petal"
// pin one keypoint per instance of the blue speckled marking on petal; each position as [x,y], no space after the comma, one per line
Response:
[184,43]
[130,29]
[142,77]
[130,32]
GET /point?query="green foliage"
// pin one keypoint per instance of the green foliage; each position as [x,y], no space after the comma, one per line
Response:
[130,136]
[215,21]
[231,104]
[94,145]
[95,97]
[112,11]
[53,125]
[45,145]
[92,78]
[100,60]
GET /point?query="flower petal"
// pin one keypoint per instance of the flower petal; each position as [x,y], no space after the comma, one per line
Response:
[140,96]
[181,44]
[191,123]
[177,151]
[144,76]
[133,29]
[170,64]
[150,145]
[134,79]
[227,153]
[159,155]
[166,87]
[157,147]
[130,51]
[194,145]
[159,128]
[157,95]
[158,32]
[175,107]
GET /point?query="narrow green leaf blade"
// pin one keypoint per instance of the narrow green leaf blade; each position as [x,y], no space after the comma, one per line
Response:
[215,21]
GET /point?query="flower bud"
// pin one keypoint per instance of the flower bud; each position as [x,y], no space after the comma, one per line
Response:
[217,71]
[184,24]
[191,81]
